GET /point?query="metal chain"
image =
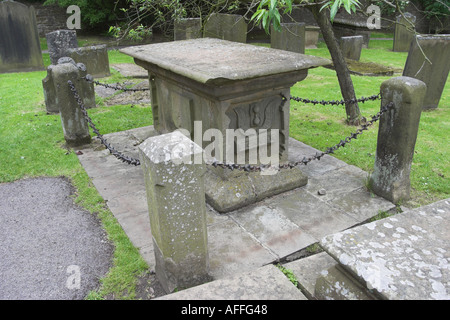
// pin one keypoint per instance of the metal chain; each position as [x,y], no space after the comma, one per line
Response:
[246,167]
[111,149]
[338,102]
[89,78]
[305,160]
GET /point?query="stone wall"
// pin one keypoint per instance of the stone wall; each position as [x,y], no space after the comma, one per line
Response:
[49,18]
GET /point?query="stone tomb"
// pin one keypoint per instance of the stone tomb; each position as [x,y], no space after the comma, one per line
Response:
[20,50]
[226,85]
[437,49]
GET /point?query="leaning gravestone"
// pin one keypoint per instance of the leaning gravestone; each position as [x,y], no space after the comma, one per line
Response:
[290,38]
[351,47]
[231,27]
[59,42]
[20,49]
[186,29]
[404,32]
[437,49]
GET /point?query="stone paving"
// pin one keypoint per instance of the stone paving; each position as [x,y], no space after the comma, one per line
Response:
[253,236]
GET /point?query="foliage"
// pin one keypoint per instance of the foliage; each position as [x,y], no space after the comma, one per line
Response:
[435,8]
[334,5]
[94,13]
[140,16]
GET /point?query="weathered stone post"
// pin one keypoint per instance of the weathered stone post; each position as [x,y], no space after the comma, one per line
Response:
[75,127]
[397,136]
[176,201]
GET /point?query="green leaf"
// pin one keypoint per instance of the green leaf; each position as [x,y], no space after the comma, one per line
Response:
[334,9]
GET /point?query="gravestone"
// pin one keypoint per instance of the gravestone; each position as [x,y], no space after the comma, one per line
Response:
[437,49]
[186,29]
[231,27]
[351,47]
[20,50]
[290,38]
[311,37]
[58,42]
[404,32]
[95,58]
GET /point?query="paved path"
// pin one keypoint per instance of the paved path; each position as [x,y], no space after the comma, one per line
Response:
[50,248]
[251,237]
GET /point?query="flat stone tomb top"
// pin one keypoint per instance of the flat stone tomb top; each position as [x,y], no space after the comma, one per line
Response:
[404,257]
[215,61]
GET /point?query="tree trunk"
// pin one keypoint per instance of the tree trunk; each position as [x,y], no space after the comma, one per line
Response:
[343,74]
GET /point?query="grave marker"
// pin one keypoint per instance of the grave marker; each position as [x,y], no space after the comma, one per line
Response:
[58,42]
[351,47]
[20,50]
[404,32]
[290,38]
[231,27]
[437,49]
[186,29]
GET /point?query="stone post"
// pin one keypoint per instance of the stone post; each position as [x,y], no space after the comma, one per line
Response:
[397,136]
[290,38]
[75,127]
[177,209]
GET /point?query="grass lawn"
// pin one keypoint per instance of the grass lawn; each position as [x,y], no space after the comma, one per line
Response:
[32,143]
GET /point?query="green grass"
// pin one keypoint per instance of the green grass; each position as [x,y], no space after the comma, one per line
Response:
[32,143]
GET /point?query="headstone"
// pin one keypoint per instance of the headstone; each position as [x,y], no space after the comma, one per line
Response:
[95,58]
[351,47]
[397,136]
[75,126]
[404,32]
[290,38]
[176,203]
[231,27]
[58,42]
[20,49]
[437,49]
[311,37]
[188,29]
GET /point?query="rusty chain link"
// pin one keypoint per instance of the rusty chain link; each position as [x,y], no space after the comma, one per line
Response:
[114,152]
[245,167]
[89,78]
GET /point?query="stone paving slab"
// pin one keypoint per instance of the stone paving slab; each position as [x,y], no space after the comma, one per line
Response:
[403,257]
[248,238]
[264,283]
